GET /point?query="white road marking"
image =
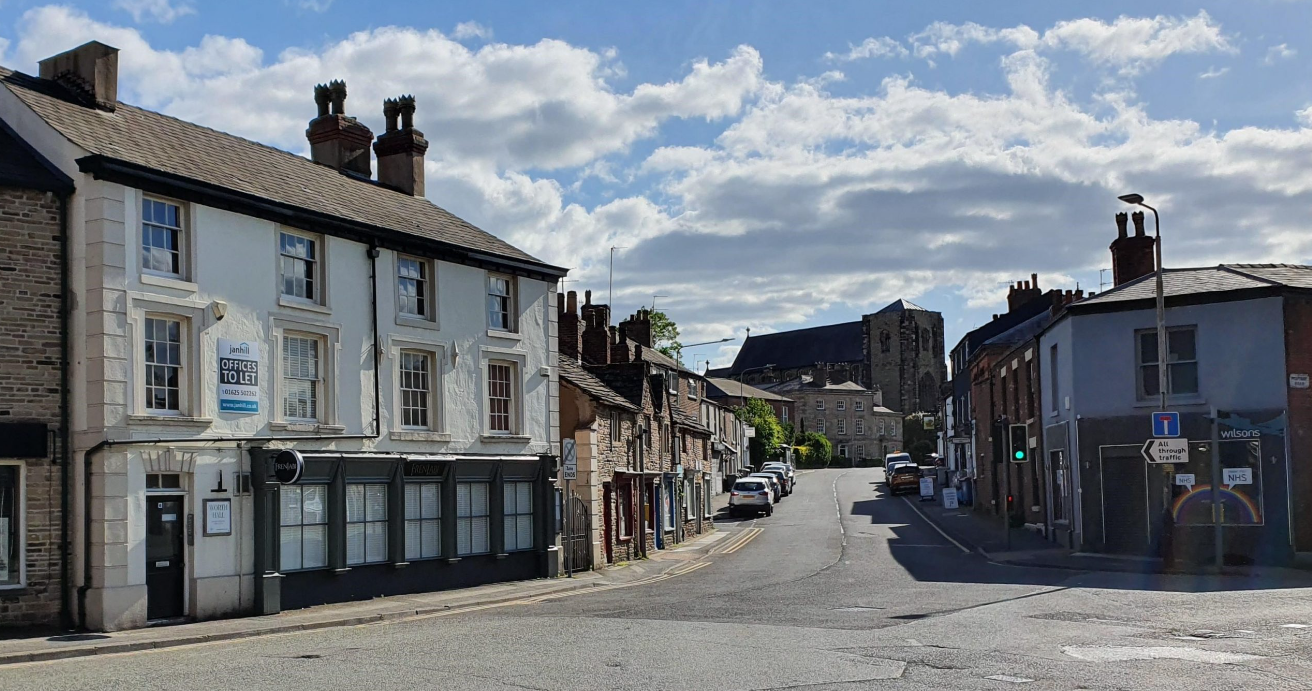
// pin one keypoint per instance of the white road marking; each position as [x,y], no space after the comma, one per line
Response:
[925,518]
[1009,679]
[1128,653]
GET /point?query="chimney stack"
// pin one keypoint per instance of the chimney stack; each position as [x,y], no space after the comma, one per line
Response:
[595,340]
[570,337]
[1023,292]
[1132,255]
[337,140]
[639,327]
[90,69]
[619,346]
[401,150]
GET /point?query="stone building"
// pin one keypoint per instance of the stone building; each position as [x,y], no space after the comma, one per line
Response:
[897,351]
[33,448]
[851,416]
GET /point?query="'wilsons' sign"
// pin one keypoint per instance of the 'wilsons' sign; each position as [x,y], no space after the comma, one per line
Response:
[239,376]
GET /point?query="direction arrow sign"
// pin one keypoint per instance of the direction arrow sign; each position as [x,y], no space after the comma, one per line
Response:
[1166,451]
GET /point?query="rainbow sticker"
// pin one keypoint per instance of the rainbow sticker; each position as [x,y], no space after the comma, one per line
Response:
[1250,513]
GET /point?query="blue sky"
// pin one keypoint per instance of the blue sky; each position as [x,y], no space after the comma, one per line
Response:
[776,165]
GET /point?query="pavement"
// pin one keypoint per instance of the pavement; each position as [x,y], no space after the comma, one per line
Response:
[842,588]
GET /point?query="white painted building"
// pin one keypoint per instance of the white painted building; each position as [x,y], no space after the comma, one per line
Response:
[406,355]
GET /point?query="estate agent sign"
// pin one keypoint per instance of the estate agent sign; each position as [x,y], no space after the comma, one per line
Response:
[239,376]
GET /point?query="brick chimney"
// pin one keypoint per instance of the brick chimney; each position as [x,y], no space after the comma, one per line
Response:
[1023,292]
[401,150]
[91,70]
[337,140]
[571,342]
[1132,255]
[639,327]
[595,339]
[619,346]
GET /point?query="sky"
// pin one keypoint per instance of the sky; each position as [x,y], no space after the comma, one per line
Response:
[776,165]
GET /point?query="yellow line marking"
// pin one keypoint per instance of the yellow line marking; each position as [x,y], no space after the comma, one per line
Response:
[741,543]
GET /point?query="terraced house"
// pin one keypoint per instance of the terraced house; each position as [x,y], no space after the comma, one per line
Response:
[291,382]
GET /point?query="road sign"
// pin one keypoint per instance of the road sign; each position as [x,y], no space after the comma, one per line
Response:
[1166,451]
[926,489]
[949,497]
[1166,424]
[569,459]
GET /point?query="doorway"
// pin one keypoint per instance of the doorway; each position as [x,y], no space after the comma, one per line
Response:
[165,551]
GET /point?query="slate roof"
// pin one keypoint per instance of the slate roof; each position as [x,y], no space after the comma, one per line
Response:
[1223,278]
[20,166]
[684,419]
[1022,332]
[805,384]
[178,148]
[801,347]
[627,380]
[585,381]
[901,306]
[729,388]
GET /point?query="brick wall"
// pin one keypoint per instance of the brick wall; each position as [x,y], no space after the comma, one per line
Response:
[1015,394]
[29,385]
[1298,354]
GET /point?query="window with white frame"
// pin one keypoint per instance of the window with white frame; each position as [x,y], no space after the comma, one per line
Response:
[860,451]
[501,397]
[692,388]
[819,404]
[414,286]
[11,534]
[423,520]
[842,450]
[1181,362]
[161,238]
[473,518]
[881,426]
[820,425]
[518,512]
[162,351]
[860,426]
[501,302]
[624,511]
[303,527]
[366,523]
[841,405]
[672,379]
[300,266]
[860,405]
[842,426]
[892,429]
[302,378]
[415,368]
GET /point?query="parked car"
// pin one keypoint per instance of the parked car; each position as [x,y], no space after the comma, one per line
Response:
[784,482]
[787,467]
[776,488]
[904,477]
[751,495]
[893,460]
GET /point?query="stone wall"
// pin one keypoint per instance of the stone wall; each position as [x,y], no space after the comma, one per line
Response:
[906,355]
[29,388]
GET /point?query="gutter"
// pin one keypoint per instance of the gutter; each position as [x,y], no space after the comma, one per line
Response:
[90,454]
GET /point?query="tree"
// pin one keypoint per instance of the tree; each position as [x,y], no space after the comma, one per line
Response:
[665,334]
[918,441]
[789,433]
[816,449]
[759,414]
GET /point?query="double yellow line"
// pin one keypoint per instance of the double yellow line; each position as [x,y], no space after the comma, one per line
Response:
[737,543]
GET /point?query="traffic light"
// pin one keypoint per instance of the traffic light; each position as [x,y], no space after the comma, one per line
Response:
[1018,443]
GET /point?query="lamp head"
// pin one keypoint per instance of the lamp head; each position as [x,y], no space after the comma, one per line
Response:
[1131,198]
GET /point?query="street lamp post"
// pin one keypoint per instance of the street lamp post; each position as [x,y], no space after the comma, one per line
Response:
[741,400]
[1137,200]
[679,352]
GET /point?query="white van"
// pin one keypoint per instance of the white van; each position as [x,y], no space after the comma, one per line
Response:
[894,460]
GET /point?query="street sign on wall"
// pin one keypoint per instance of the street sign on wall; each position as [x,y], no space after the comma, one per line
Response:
[1166,451]
[569,459]
[1166,424]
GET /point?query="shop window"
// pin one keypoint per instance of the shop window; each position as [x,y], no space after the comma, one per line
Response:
[303,527]
[11,537]
[423,520]
[473,518]
[518,512]
[366,523]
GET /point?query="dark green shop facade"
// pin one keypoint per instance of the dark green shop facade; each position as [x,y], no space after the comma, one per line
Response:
[355,526]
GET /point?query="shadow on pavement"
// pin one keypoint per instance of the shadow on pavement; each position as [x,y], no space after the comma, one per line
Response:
[928,556]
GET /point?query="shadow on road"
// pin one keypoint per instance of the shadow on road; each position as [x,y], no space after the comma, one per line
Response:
[928,556]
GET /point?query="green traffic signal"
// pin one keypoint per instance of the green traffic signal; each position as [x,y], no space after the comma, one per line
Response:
[1020,455]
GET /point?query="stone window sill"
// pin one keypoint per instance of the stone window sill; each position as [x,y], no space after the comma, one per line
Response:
[416,322]
[508,335]
[294,303]
[418,435]
[306,427]
[508,438]
[167,282]
[170,420]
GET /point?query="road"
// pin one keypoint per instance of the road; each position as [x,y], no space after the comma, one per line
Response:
[843,588]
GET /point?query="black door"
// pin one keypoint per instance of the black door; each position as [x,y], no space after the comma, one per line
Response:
[1125,500]
[165,576]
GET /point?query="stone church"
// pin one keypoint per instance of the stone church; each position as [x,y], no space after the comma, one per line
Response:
[897,350]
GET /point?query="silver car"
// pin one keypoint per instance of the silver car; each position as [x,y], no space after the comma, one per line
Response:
[775,486]
[751,495]
[787,468]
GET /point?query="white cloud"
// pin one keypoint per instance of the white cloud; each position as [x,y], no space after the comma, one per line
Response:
[160,11]
[468,30]
[1128,43]
[1275,54]
[314,5]
[870,48]
[1213,72]
[4,47]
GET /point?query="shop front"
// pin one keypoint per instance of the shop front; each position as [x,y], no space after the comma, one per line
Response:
[337,527]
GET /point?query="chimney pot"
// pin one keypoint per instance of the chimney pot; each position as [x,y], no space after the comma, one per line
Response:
[91,70]
[1132,256]
[1122,220]
[1137,217]
[587,297]
[336,140]
[1034,279]
[572,302]
[401,151]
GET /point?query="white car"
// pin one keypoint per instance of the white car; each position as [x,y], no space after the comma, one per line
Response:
[751,495]
[776,486]
[787,468]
